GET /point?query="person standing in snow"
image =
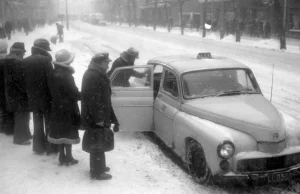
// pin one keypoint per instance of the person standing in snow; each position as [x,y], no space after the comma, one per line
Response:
[37,68]
[96,110]
[60,32]
[65,116]
[126,59]
[2,32]
[7,118]
[16,95]
[8,29]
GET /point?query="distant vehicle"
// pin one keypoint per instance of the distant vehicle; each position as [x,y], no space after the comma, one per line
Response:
[211,112]
[96,19]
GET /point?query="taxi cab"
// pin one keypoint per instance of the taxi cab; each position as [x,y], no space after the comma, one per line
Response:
[210,111]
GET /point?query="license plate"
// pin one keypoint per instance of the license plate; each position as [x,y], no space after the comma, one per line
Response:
[279,177]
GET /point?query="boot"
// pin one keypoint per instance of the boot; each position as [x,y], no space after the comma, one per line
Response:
[69,158]
[103,176]
[62,156]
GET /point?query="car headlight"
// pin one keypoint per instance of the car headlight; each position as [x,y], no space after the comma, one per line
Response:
[226,149]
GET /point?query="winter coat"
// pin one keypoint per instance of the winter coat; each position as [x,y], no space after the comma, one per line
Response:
[96,97]
[37,68]
[60,29]
[2,81]
[95,102]
[2,33]
[8,27]
[64,116]
[122,79]
[15,88]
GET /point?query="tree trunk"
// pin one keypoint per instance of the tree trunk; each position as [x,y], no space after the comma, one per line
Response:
[119,10]
[154,15]
[237,21]
[222,18]
[204,19]
[181,19]
[110,11]
[129,13]
[134,12]
[280,27]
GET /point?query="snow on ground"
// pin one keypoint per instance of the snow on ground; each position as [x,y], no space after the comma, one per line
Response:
[137,165]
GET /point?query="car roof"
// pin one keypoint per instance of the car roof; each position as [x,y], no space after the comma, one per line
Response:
[185,63]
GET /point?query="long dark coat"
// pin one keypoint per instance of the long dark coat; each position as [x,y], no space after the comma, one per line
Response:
[64,116]
[15,88]
[96,101]
[2,81]
[37,68]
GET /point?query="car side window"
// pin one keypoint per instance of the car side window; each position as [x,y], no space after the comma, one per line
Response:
[170,84]
[137,77]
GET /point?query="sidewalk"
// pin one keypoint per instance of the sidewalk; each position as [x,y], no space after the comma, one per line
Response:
[293,45]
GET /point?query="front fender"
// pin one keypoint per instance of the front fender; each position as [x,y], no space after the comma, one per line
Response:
[292,127]
[209,135]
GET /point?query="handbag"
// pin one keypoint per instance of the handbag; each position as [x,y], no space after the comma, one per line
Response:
[99,140]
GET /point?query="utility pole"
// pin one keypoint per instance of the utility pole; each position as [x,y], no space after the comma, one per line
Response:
[67,15]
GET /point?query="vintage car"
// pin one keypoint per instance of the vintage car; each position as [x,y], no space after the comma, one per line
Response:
[211,112]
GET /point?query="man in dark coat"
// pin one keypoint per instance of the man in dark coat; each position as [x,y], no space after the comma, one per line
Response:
[8,29]
[60,31]
[2,32]
[37,68]
[15,92]
[96,109]
[126,59]
[6,118]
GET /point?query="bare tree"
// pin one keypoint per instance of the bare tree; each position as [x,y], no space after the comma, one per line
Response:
[129,20]
[155,14]
[280,23]
[119,11]
[237,21]
[134,7]
[181,3]
[204,19]
[222,21]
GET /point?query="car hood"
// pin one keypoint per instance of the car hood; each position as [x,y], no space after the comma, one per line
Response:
[251,113]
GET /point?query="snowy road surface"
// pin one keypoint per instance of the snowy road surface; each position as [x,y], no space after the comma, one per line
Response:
[138,165]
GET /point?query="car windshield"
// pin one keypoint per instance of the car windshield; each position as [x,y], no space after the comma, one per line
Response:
[223,82]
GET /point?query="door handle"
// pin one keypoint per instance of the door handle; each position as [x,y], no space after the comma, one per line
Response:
[113,94]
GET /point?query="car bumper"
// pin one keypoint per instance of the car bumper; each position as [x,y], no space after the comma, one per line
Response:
[259,178]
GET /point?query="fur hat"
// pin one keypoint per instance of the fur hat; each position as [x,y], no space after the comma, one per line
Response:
[42,43]
[18,47]
[64,57]
[101,57]
[132,52]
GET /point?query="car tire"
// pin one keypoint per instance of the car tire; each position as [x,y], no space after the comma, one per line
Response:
[197,164]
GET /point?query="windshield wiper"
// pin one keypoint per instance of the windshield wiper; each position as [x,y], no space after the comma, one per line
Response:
[232,92]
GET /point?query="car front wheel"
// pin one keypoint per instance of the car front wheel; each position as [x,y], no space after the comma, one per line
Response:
[197,165]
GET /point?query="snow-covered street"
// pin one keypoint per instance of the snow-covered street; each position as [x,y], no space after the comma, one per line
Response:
[137,164]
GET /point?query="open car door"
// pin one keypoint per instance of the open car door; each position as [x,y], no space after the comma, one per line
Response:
[133,97]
